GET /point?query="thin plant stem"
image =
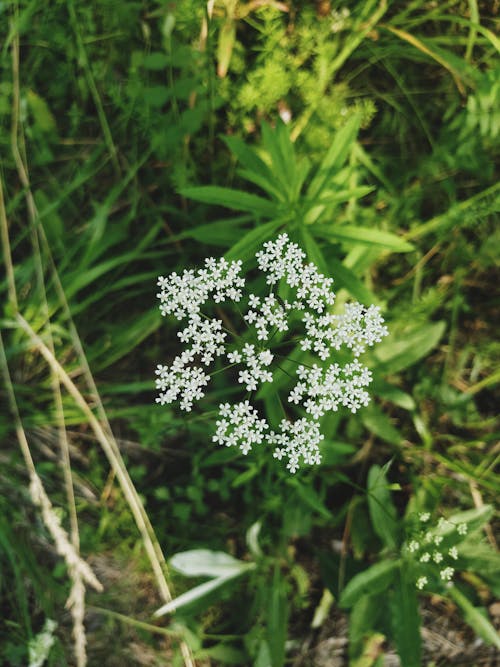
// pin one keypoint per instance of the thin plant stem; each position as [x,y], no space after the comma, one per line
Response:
[108,137]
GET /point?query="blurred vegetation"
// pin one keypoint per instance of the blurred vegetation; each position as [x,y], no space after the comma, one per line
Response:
[138,138]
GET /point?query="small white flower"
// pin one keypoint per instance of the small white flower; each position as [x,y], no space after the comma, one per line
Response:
[447,573]
[453,552]
[462,529]
[424,517]
[413,546]
[425,557]
[421,582]
[437,557]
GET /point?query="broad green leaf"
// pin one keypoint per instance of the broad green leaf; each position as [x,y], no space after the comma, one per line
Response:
[362,622]
[336,156]
[474,519]
[365,235]
[477,620]
[252,240]
[379,423]
[479,557]
[395,395]
[405,620]
[234,199]
[156,61]
[333,452]
[375,579]
[207,563]
[382,511]
[399,351]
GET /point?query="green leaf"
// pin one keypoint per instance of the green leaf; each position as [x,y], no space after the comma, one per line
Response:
[375,579]
[252,240]
[317,207]
[345,278]
[379,423]
[405,620]
[314,252]
[223,654]
[335,157]
[207,563]
[474,520]
[310,497]
[155,61]
[362,621]
[477,620]
[365,235]
[382,511]
[277,619]
[220,233]
[395,395]
[401,350]
[229,198]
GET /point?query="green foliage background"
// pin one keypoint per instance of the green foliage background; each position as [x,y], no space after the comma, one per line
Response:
[138,138]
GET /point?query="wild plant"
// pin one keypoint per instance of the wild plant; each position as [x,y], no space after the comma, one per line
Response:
[292,322]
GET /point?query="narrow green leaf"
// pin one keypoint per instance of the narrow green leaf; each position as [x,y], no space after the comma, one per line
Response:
[335,157]
[234,199]
[382,511]
[310,497]
[344,277]
[324,203]
[246,247]
[375,579]
[220,233]
[364,235]
[477,620]
[314,252]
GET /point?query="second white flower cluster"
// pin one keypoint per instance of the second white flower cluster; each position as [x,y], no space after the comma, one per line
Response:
[319,388]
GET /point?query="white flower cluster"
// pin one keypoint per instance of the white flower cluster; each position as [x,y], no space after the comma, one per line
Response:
[426,553]
[317,390]
[297,441]
[183,296]
[239,426]
[323,390]
[256,363]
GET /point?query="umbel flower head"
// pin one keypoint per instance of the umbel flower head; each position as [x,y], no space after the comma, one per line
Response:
[296,314]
